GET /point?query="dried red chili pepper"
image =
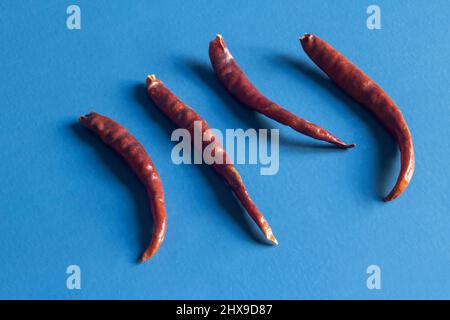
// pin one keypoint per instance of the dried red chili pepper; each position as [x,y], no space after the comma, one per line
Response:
[237,83]
[366,92]
[117,137]
[185,117]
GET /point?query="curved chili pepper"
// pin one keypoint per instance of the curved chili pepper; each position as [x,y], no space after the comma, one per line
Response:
[366,92]
[185,117]
[117,137]
[237,83]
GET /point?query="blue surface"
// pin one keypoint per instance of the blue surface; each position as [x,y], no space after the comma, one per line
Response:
[67,199]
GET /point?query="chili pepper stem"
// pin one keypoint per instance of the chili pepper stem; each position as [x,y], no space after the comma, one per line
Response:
[304,36]
[220,38]
[150,79]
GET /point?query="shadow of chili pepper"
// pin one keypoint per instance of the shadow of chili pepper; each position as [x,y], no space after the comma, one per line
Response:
[385,144]
[123,173]
[231,204]
[223,194]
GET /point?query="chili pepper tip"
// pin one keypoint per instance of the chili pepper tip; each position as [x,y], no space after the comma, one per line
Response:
[145,257]
[270,236]
[348,146]
[394,194]
[342,144]
[273,239]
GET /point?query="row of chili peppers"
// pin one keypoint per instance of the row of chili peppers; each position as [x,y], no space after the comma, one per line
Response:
[338,68]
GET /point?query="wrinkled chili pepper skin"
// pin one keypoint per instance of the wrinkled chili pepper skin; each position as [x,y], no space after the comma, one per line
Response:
[234,79]
[185,117]
[117,137]
[366,92]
